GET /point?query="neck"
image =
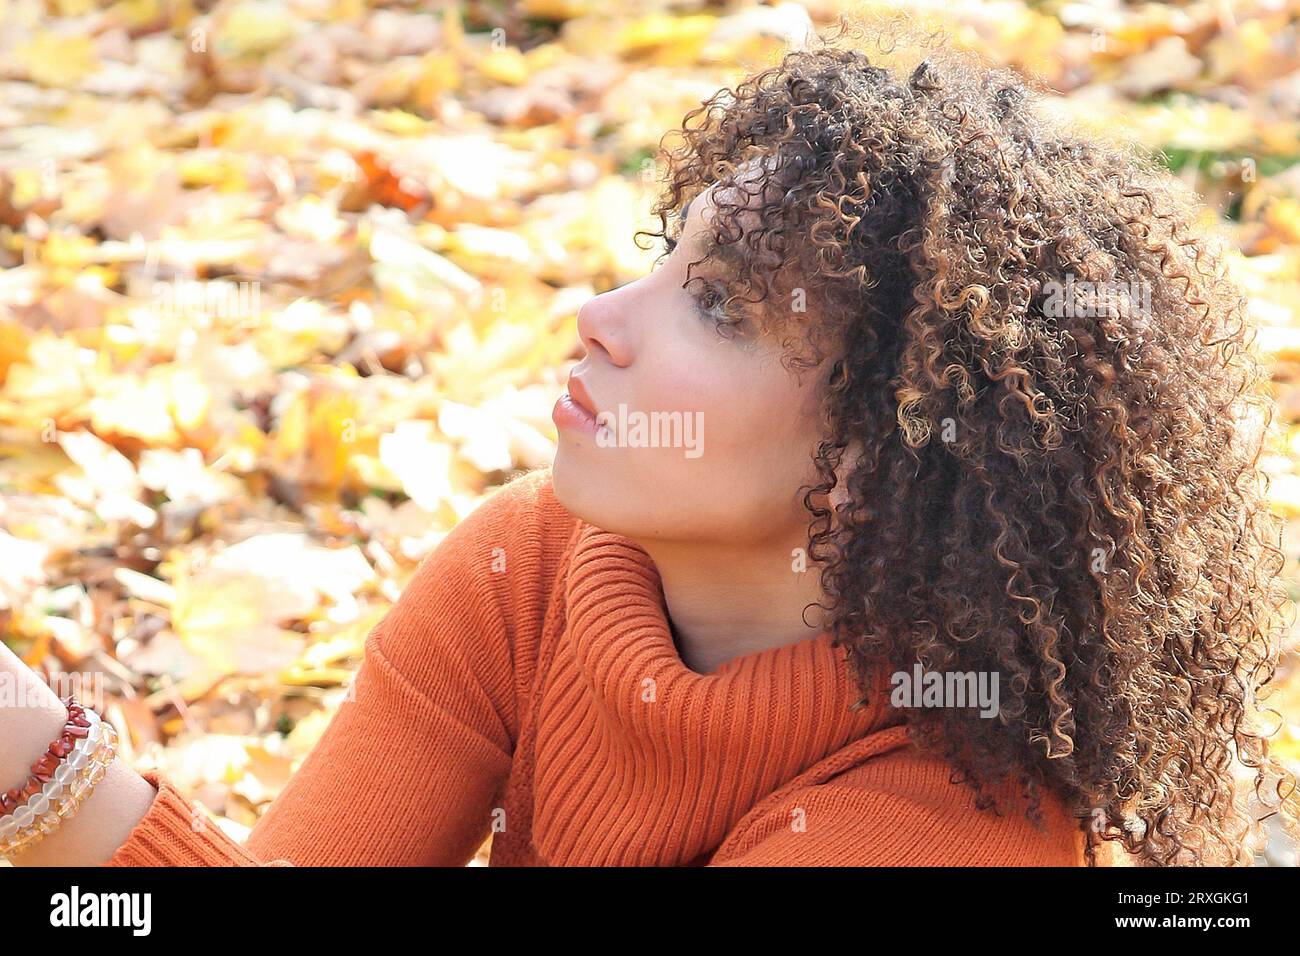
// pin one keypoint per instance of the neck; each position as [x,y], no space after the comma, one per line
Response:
[729,600]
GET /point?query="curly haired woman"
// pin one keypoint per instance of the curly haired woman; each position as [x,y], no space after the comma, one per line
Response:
[979,403]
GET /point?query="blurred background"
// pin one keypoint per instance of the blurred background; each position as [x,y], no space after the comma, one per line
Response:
[286,287]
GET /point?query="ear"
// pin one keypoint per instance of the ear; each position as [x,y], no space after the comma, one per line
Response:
[839,495]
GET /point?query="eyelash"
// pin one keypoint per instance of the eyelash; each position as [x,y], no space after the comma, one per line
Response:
[709,293]
[714,313]
[704,312]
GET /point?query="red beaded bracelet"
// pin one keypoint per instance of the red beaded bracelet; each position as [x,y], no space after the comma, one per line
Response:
[43,769]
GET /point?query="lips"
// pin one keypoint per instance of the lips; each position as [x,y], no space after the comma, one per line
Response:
[581,398]
[575,411]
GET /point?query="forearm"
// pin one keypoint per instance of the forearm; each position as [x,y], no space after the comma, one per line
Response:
[407,773]
[105,819]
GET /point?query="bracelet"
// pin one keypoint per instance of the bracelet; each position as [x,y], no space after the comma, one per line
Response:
[75,728]
[62,794]
[46,814]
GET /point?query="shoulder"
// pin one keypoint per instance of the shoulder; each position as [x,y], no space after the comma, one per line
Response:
[508,547]
[481,595]
[513,543]
[526,502]
[902,809]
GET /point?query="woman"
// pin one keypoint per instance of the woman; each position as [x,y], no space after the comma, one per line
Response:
[927,386]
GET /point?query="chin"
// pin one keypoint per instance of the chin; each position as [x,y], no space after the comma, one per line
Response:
[579,487]
[602,496]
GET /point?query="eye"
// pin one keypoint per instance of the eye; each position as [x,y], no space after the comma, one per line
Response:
[714,304]
[710,303]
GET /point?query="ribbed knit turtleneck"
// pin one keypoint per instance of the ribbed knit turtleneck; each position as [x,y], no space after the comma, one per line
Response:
[635,742]
[526,685]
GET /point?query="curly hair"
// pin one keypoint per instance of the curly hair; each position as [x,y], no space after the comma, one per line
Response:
[1067,496]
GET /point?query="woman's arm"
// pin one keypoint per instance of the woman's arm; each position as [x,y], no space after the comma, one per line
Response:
[406,773]
[114,807]
[395,780]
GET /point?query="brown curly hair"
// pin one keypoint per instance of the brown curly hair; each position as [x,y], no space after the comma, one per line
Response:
[1067,497]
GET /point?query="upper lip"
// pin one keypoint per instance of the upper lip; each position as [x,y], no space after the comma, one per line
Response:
[578,392]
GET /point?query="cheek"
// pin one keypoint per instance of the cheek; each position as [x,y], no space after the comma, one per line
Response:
[776,439]
[759,426]
[761,405]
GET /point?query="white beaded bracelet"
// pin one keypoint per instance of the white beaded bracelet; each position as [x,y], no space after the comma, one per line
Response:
[44,812]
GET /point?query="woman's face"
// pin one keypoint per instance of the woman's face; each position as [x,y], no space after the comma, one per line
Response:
[728,465]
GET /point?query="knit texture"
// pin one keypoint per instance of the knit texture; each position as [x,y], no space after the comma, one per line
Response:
[527,685]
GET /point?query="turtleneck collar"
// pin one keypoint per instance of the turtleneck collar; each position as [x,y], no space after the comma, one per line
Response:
[681,755]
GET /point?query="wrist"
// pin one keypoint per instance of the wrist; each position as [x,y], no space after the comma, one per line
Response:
[103,823]
[31,717]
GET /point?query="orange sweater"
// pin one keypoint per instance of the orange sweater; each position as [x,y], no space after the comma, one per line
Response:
[526,684]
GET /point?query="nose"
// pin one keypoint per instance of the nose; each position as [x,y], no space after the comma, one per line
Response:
[603,330]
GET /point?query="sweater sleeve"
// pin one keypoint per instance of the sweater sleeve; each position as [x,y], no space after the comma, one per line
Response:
[410,766]
[899,809]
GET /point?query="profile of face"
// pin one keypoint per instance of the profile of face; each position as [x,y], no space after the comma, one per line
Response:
[687,435]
